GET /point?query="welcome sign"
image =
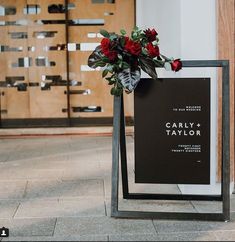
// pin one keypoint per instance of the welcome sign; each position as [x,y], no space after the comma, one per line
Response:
[172,131]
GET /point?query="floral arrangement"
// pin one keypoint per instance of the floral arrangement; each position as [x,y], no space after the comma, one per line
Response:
[121,58]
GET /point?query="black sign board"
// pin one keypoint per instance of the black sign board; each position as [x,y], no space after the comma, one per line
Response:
[172,131]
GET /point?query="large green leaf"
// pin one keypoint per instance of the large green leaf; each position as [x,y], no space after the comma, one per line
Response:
[148,66]
[95,59]
[129,79]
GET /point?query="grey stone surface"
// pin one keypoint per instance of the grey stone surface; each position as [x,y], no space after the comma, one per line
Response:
[82,169]
[66,177]
[225,235]
[21,173]
[12,189]
[220,226]
[153,188]
[102,226]
[60,238]
[158,206]
[202,236]
[232,203]
[152,206]
[78,207]
[165,226]
[233,216]
[29,227]
[207,207]
[45,189]
[136,237]
[8,208]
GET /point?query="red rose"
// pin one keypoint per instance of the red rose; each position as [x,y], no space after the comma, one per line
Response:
[176,65]
[112,55]
[153,50]
[105,44]
[132,47]
[151,34]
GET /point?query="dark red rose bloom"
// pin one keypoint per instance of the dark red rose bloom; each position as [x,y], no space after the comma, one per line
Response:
[153,50]
[112,55]
[105,44]
[151,34]
[133,47]
[176,65]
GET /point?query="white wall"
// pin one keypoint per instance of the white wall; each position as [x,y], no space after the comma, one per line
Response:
[187,29]
[164,15]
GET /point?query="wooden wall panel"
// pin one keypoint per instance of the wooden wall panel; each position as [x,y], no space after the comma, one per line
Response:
[100,91]
[47,104]
[34,102]
[17,103]
[226,49]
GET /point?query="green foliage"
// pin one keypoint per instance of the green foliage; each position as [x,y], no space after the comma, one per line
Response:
[148,66]
[123,32]
[104,33]
[105,73]
[123,60]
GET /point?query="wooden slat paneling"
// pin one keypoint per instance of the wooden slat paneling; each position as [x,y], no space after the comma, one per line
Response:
[226,48]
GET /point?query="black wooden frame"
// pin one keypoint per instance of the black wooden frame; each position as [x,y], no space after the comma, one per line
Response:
[119,146]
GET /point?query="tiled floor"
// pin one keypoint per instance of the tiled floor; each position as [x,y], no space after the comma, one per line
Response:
[58,188]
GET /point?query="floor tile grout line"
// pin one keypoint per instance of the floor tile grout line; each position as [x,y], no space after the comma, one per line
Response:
[25,189]
[155,227]
[14,214]
[105,208]
[104,192]
[194,207]
[54,227]
[216,236]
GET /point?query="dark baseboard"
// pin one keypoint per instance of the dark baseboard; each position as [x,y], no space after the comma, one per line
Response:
[60,122]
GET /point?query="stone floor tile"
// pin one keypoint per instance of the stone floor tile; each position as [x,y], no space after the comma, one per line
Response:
[207,207]
[83,156]
[3,157]
[23,153]
[153,188]
[102,226]
[8,208]
[49,162]
[73,188]
[75,170]
[29,227]
[136,237]
[12,189]
[232,204]
[233,216]
[152,206]
[79,207]
[61,238]
[225,235]
[219,226]
[27,174]
[202,236]
[170,226]
[83,207]
[85,143]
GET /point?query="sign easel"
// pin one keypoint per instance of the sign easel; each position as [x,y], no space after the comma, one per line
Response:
[119,147]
